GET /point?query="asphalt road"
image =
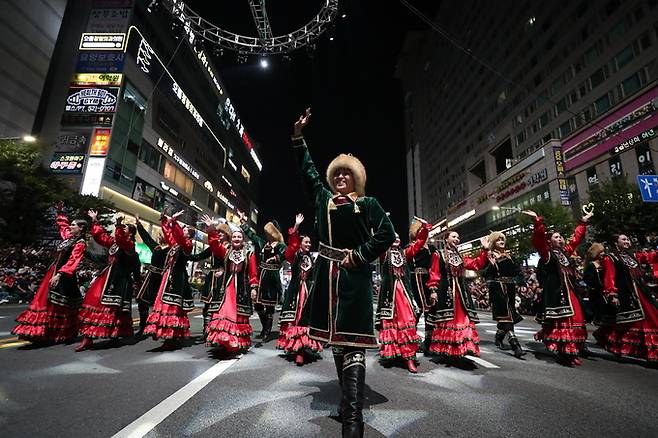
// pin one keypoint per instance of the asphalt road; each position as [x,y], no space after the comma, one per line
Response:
[135,390]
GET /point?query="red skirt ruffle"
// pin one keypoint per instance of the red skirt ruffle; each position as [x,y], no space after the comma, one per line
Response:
[167,322]
[54,323]
[398,341]
[457,337]
[233,336]
[636,339]
[105,322]
[295,340]
[565,336]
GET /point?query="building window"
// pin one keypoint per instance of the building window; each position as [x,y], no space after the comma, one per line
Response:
[631,84]
[602,104]
[615,166]
[245,174]
[152,158]
[544,119]
[565,129]
[624,57]
[561,106]
[178,177]
[597,78]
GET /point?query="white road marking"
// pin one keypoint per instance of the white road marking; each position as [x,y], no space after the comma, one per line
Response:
[162,410]
[482,362]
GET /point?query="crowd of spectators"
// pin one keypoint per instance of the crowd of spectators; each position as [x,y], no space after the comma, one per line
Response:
[528,294]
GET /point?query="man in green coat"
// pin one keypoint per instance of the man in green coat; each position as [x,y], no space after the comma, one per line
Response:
[353,231]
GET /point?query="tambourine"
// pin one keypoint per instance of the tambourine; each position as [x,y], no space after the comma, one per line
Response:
[588,209]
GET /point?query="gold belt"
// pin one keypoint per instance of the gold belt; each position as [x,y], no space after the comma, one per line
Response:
[421,271]
[331,253]
[270,266]
[155,269]
[504,280]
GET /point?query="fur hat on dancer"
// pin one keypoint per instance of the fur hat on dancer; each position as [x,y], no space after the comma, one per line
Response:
[493,238]
[225,228]
[273,232]
[414,228]
[594,251]
[348,161]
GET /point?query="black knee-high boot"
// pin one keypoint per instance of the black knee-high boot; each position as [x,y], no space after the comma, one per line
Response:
[428,338]
[143,309]
[262,317]
[500,337]
[354,378]
[516,345]
[206,319]
[338,354]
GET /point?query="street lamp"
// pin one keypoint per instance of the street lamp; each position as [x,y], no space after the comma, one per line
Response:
[29,139]
[497,207]
[263,63]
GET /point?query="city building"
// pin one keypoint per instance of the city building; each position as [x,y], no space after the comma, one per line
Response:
[531,101]
[28,33]
[138,115]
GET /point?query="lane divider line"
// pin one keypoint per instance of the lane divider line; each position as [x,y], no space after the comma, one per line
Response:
[155,416]
[482,362]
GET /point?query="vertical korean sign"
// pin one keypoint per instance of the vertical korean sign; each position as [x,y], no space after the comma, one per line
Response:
[561,176]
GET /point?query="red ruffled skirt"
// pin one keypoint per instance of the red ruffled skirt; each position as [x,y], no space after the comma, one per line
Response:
[294,339]
[565,336]
[45,321]
[167,321]
[398,337]
[228,329]
[636,339]
[96,320]
[457,337]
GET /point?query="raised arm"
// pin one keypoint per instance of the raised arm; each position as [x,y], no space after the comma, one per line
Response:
[421,238]
[477,263]
[215,244]
[63,225]
[382,238]
[258,241]
[294,242]
[609,286]
[123,240]
[100,235]
[577,238]
[179,237]
[539,238]
[74,260]
[146,237]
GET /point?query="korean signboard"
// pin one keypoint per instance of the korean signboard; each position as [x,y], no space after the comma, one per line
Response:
[97,79]
[561,176]
[100,142]
[102,41]
[100,62]
[92,100]
[108,20]
[73,141]
[67,163]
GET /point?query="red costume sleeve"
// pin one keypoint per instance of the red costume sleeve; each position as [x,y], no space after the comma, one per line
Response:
[294,242]
[123,239]
[477,263]
[578,236]
[253,270]
[101,236]
[435,272]
[539,239]
[63,225]
[215,243]
[180,238]
[74,260]
[609,286]
[421,238]
[166,232]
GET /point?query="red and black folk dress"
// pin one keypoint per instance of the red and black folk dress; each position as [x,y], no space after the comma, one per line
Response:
[397,310]
[52,316]
[229,327]
[563,321]
[453,315]
[106,310]
[168,319]
[149,288]
[293,338]
[635,332]
[419,266]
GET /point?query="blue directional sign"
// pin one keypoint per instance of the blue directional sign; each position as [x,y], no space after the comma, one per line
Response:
[648,185]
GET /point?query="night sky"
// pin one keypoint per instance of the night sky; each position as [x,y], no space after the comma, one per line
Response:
[349,84]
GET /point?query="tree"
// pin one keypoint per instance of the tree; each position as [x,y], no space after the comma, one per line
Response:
[618,208]
[556,217]
[27,191]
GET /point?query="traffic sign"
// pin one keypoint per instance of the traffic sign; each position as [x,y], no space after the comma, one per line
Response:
[648,185]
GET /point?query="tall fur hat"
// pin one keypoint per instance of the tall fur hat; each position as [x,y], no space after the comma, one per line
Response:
[493,237]
[225,228]
[348,161]
[414,228]
[273,232]
[594,251]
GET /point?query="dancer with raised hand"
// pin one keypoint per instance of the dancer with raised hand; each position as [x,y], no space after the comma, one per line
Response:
[453,314]
[212,286]
[52,316]
[270,252]
[107,308]
[419,267]
[229,327]
[397,308]
[148,290]
[635,332]
[168,319]
[503,275]
[353,230]
[293,338]
[563,321]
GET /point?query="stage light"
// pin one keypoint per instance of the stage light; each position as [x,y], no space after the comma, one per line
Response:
[264,63]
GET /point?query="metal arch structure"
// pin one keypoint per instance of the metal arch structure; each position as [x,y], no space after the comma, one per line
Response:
[266,43]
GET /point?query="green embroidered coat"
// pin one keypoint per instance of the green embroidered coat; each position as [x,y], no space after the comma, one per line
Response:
[339,307]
